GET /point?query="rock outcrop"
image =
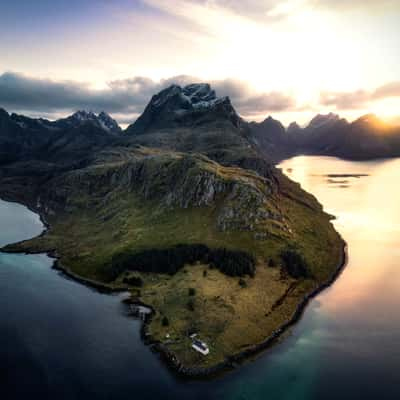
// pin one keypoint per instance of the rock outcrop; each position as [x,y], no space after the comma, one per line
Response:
[171,180]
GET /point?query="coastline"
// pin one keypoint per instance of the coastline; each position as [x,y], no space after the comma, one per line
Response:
[102,287]
[232,361]
[169,359]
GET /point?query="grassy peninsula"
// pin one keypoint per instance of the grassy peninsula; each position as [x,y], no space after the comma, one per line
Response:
[155,200]
[185,211]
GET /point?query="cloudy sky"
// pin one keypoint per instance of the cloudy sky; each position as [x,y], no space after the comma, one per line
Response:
[287,58]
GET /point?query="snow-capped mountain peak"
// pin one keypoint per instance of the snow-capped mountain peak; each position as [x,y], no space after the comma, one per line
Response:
[190,105]
[83,115]
[193,96]
[108,123]
[199,93]
[102,120]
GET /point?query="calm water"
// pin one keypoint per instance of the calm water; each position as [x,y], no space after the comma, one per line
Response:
[59,339]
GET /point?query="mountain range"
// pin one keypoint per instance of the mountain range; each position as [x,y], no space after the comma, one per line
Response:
[366,138]
[175,116]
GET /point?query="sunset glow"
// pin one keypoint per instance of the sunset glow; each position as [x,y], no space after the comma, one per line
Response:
[199,199]
[318,55]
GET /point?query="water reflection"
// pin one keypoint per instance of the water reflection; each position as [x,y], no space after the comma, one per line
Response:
[368,217]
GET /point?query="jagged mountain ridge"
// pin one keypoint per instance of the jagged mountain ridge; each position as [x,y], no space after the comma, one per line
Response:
[102,120]
[196,107]
[65,140]
[366,138]
[187,106]
[193,118]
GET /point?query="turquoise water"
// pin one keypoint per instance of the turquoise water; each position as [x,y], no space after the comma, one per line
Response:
[60,339]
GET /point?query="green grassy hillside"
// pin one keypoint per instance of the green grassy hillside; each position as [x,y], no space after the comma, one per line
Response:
[146,199]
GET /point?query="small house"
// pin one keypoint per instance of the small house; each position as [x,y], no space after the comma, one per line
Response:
[200,346]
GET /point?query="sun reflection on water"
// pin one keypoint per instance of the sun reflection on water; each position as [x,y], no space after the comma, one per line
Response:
[368,217]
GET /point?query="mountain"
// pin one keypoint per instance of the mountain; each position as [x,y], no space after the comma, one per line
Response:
[184,211]
[20,135]
[323,122]
[366,138]
[190,106]
[102,121]
[63,140]
[194,119]
[79,135]
[270,136]
[293,129]
[323,134]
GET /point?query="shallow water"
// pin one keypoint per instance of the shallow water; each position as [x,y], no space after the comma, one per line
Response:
[60,339]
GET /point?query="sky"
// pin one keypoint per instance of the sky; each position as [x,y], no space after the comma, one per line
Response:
[290,59]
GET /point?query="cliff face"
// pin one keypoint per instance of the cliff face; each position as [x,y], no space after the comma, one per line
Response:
[240,198]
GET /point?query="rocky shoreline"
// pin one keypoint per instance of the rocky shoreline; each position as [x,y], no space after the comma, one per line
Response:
[172,362]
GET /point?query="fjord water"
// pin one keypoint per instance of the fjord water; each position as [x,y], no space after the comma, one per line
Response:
[60,339]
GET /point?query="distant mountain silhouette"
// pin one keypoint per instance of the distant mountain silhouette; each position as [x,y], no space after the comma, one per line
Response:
[366,138]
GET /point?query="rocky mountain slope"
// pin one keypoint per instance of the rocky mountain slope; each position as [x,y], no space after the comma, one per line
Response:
[193,119]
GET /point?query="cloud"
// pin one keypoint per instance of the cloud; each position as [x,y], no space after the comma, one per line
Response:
[255,9]
[125,98]
[391,89]
[202,10]
[271,7]
[266,11]
[21,92]
[359,98]
[364,4]
[345,100]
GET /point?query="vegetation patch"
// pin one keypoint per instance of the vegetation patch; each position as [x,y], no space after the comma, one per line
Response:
[171,260]
[133,281]
[295,264]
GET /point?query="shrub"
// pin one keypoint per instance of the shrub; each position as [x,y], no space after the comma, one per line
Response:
[133,281]
[242,283]
[233,263]
[192,291]
[295,264]
[165,321]
[271,263]
[190,305]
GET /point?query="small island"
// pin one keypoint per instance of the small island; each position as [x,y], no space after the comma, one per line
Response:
[183,212]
